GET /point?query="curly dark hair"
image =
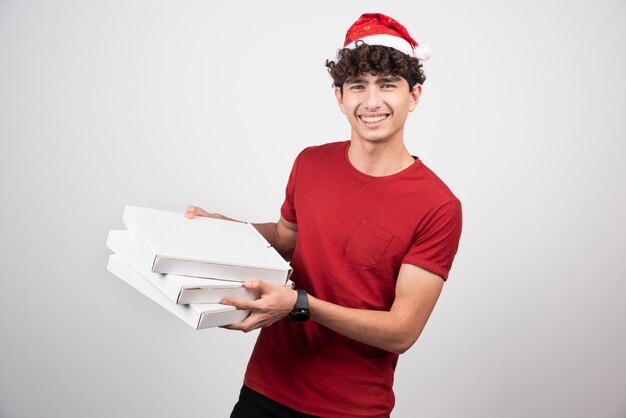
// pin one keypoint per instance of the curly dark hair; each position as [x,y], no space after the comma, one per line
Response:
[375,59]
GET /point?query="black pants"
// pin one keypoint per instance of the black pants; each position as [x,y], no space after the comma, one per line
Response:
[252,404]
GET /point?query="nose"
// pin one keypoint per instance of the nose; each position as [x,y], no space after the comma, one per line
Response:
[373,99]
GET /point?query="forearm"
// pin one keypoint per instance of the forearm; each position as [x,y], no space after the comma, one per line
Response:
[281,239]
[386,330]
[396,330]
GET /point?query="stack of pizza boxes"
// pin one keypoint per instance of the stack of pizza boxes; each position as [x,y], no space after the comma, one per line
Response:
[188,265]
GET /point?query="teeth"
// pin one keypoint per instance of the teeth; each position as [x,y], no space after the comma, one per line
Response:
[373,119]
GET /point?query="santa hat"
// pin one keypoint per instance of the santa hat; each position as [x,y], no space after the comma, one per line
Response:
[378,29]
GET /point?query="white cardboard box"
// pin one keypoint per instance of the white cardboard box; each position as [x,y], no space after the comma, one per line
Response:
[179,289]
[204,247]
[198,316]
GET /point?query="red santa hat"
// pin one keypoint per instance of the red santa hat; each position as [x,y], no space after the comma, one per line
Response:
[378,29]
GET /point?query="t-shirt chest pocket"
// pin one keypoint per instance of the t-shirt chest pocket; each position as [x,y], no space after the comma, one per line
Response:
[367,244]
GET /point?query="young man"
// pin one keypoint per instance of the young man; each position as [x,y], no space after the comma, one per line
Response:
[371,233]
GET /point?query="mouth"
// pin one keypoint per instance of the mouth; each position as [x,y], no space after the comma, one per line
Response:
[373,119]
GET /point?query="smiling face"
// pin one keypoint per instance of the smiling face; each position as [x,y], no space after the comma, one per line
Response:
[377,106]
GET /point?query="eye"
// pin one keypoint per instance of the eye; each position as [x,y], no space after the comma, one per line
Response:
[389,86]
[356,87]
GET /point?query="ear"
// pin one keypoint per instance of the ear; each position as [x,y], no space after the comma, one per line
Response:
[414,96]
[339,98]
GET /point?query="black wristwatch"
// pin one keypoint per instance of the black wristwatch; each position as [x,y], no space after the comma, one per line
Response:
[300,312]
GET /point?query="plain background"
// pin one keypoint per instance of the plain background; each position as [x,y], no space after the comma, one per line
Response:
[168,103]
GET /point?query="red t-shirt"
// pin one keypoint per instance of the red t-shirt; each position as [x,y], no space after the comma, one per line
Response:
[354,233]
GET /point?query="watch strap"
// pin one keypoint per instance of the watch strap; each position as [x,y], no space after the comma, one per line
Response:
[302,302]
[300,312]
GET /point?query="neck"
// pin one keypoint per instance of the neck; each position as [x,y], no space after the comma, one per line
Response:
[379,159]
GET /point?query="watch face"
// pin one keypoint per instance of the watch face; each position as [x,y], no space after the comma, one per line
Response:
[299,316]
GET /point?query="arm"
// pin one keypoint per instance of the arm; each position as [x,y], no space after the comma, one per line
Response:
[396,330]
[417,292]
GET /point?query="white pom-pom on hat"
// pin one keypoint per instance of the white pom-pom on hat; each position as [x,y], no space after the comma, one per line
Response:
[422,53]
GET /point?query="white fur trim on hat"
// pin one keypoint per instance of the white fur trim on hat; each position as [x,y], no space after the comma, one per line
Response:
[385,40]
[422,52]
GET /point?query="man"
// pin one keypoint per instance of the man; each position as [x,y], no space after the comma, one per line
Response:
[371,233]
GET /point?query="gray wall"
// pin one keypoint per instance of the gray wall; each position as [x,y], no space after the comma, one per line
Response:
[165,104]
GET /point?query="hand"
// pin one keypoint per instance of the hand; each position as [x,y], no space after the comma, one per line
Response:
[193,211]
[275,303]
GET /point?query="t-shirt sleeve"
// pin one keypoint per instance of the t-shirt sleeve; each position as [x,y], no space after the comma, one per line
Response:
[437,240]
[288,208]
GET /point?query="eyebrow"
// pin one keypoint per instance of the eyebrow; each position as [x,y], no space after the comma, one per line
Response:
[355,81]
[389,79]
[381,80]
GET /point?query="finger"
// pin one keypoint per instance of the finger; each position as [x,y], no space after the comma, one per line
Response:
[201,212]
[237,325]
[240,303]
[260,286]
[193,211]
[190,212]
[250,323]
[254,285]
